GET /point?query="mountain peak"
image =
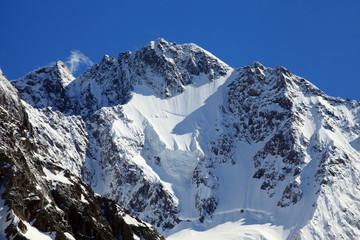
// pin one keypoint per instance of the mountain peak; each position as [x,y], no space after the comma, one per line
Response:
[64,72]
[175,50]
[177,64]
[257,64]
[106,59]
[160,40]
[45,86]
[60,64]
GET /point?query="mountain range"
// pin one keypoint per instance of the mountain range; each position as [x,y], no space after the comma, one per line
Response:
[171,140]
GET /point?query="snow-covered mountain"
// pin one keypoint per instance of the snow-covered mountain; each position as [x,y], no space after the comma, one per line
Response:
[199,149]
[40,198]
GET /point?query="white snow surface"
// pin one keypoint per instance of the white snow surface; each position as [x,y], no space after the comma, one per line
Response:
[69,236]
[59,177]
[233,231]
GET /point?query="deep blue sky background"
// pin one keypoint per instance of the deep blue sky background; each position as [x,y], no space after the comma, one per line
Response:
[318,40]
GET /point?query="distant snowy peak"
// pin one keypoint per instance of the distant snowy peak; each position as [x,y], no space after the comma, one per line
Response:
[45,87]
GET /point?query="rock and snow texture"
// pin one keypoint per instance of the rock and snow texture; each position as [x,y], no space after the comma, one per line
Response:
[45,87]
[196,147]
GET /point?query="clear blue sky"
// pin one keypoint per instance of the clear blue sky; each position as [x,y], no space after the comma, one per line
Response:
[318,40]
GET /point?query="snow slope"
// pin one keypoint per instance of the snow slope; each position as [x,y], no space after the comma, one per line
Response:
[233,230]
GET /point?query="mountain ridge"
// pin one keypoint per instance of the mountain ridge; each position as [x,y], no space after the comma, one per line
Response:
[186,142]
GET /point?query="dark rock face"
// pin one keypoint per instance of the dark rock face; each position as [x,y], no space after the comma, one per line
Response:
[253,107]
[205,177]
[116,217]
[261,115]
